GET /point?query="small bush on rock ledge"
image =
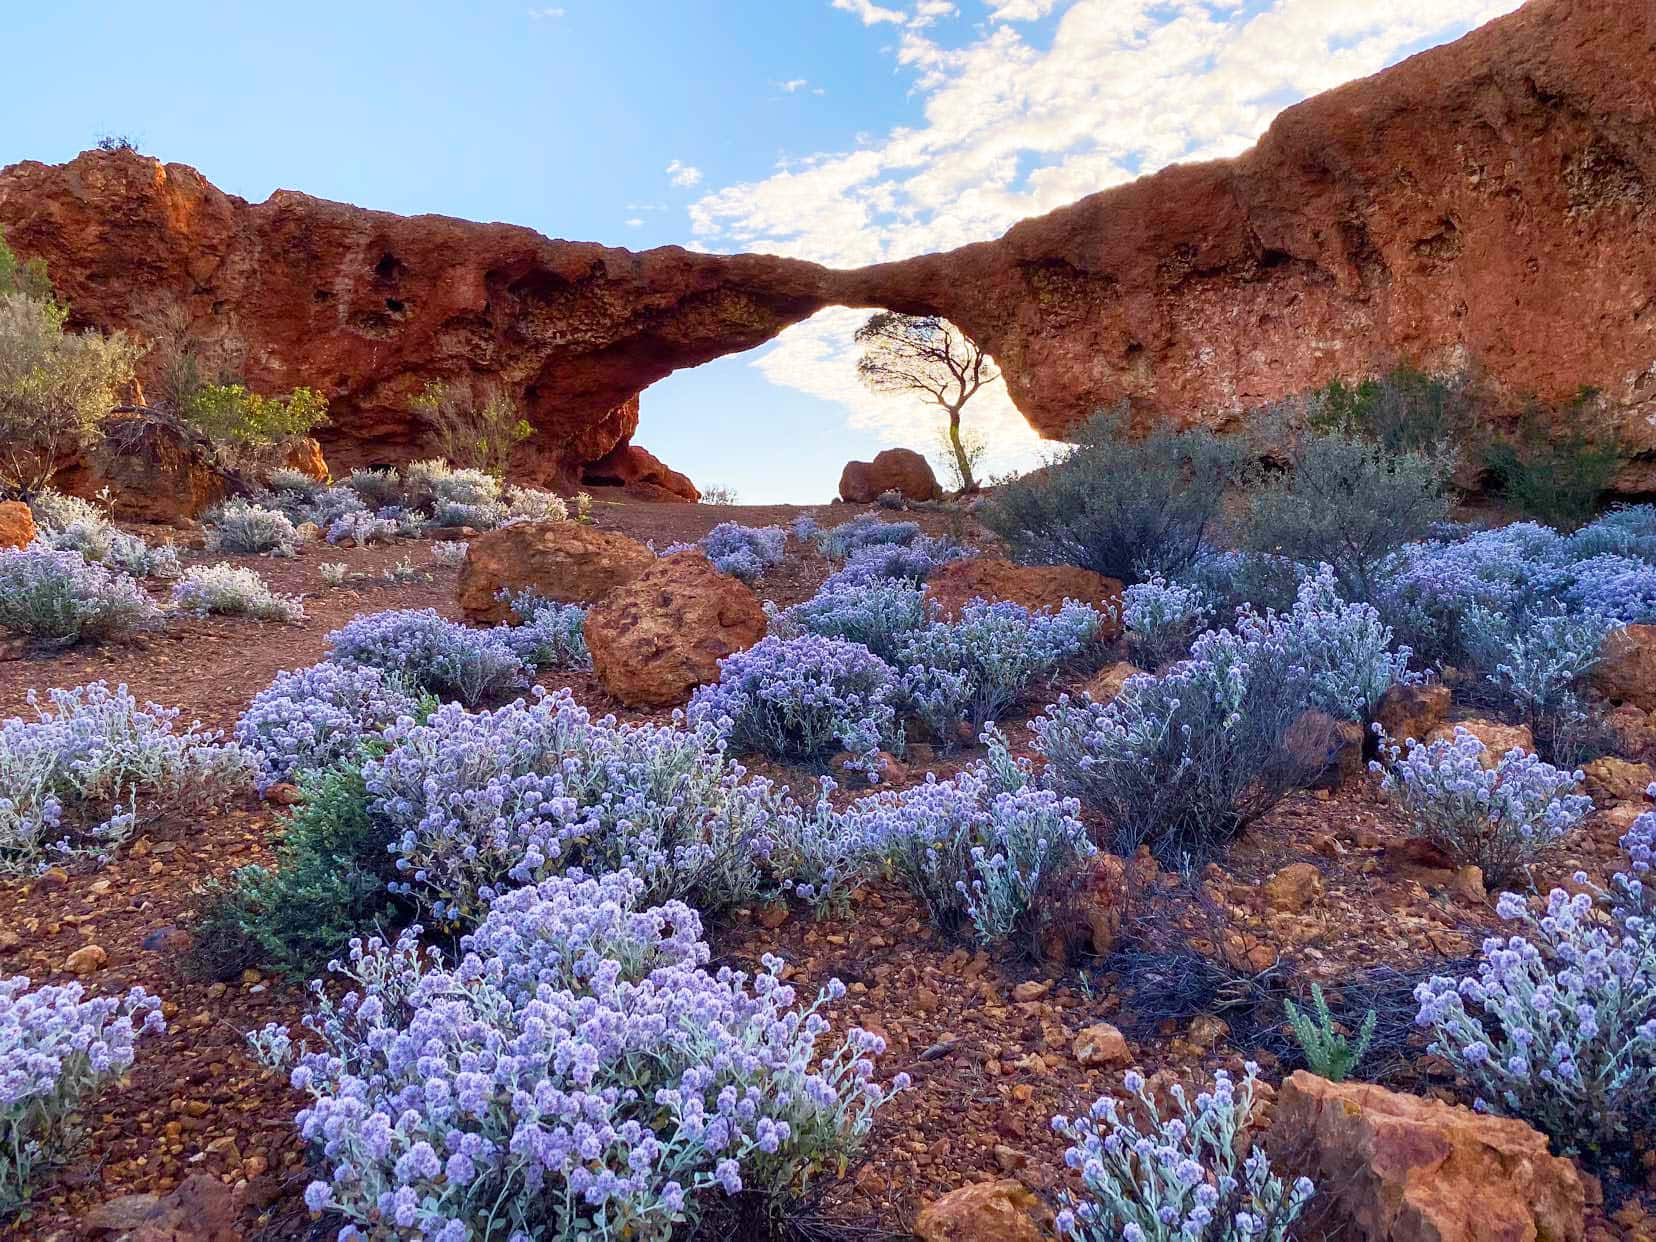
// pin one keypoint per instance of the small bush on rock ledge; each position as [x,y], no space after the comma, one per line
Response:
[578,1073]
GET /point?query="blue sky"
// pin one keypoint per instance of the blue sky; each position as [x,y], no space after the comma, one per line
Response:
[843,131]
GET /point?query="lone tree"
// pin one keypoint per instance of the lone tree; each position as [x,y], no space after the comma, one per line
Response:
[926,355]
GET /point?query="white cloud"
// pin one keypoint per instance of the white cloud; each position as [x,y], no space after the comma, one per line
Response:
[538,14]
[634,223]
[928,12]
[1009,127]
[793,85]
[682,174]
[869,12]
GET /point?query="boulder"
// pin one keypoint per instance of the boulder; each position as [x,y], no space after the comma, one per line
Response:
[1000,1211]
[569,562]
[1610,780]
[199,1209]
[17,528]
[1631,729]
[155,469]
[1102,1045]
[1036,587]
[304,454]
[1399,1168]
[1329,751]
[641,472]
[1107,683]
[1412,711]
[897,470]
[655,639]
[1293,889]
[1497,738]
[1626,671]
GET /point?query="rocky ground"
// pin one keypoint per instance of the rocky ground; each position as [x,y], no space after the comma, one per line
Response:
[1327,887]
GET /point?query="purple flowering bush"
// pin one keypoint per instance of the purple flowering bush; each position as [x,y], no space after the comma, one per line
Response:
[1558,1027]
[58,1049]
[1182,761]
[1613,585]
[578,1073]
[234,591]
[1535,662]
[83,774]
[1344,648]
[1163,617]
[61,597]
[744,552]
[100,541]
[1190,1177]
[982,848]
[478,803]
[866,530]
[1502,819]
[440,656]
[972,670]
[316,717]
[361,528]
[802,699]
[548,634]
[879,615]
[910,562]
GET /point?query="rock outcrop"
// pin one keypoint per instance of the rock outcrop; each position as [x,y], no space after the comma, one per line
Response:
[17,528]
[657,638]
[641,472]
[1488,204]
[1039,588]
[1405,1169]
[897,470]
[1000,1211]
[568,562]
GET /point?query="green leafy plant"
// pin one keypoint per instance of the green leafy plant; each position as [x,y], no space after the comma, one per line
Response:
[245,426]
[477,432]
[1403,410]
[1555,479]
[1328,1052]
[27,277]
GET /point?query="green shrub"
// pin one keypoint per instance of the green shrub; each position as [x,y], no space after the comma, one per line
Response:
[1555,479]
[245,426]
[56,388]
[1128,508]
[475,432]
[1328,1053]
[329,884]
[26,277]
[1404,410]
[1347,501]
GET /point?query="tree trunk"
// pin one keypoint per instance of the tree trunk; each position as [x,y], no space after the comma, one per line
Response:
[962,461]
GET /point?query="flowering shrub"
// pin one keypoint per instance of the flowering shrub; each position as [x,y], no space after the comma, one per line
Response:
[238,526]
[1162,617]
[289,479]
[234,591]
[815,852]
[1622,532]
[531,504]
[1501,819]
[970,671]
[439,656]
[54,510]
[59,596]
[879,615]
[71,779]
[104,544]
[744,552]
[481,803]
[1559,1025]
[57,1050]
[361,528]
[376,488]
[333,573]
[1193,1177]
[1182,761]
[484,516]
[1612,585]
[450,553]
[911,562]
[550,634]
[804,527]
[866,530]
[1535,662]
[318,716]
[579,1073]
[1343,648]
[802,699]
[983,847]
[324,508]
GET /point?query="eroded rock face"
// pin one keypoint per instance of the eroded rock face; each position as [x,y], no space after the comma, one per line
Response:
[1487,204]
[1407,1169]
[641,472]
[17,528]
[155,472]
[657,638]
[897,470]
[568,562]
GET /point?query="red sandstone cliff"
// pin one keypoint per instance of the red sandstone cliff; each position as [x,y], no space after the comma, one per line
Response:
[1486,204]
